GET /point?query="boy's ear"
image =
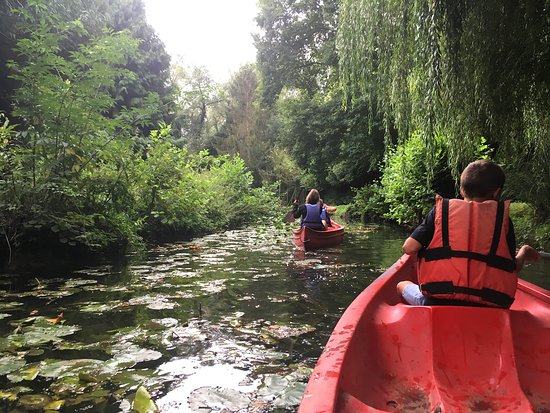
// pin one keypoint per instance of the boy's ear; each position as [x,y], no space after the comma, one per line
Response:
[461,193]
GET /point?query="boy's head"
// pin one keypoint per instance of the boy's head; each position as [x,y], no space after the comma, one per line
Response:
[482,180]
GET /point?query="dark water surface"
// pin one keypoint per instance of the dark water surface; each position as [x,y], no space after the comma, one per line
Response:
[229,321]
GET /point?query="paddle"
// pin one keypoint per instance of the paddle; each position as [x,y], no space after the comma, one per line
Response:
[545,255]
[289,217]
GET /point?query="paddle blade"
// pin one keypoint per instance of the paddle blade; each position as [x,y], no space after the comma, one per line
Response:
[289,217]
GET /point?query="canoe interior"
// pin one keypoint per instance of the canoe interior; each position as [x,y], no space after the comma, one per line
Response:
[385,356]
[310,239]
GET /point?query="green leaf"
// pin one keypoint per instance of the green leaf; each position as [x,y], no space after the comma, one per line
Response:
[143,402]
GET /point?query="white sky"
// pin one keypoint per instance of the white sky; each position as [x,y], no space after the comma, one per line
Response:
[216,34]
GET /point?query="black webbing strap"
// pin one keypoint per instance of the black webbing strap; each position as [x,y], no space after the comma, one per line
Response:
[498,229]
[486,294]
[445,223]
[491,259]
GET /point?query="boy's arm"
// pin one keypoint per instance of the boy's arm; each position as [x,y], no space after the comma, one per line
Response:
[526,253]
[421,236]
[411,246]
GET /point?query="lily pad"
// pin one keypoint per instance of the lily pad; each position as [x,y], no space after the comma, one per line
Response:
[216,398]
[34,401]
[12,394]
[28,373]
[63,368]
[9,364]
[143,402]
[10,305]
[34,335]
[280,331]
[100,308]
[290,396]
[78,283]
[131,353]
[154,302]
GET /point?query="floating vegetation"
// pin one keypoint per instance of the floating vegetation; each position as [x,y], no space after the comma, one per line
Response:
[224,322]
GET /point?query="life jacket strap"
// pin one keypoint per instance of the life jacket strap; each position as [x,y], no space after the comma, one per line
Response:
[495,261]
[486,294]
[491,259]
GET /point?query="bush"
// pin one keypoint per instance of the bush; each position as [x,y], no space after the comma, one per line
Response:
[529,229]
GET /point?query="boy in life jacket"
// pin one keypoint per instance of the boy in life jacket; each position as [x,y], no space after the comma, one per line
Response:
[311,213]
[466,248]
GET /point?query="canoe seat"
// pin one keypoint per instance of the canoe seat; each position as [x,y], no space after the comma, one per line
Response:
[458,359]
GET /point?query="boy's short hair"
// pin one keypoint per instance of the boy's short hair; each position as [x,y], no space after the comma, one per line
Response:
[481,178]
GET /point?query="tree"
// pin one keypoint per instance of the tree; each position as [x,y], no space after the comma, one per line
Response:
[149,90]
[465,68]
[198,104]
[296,47]
[243,130]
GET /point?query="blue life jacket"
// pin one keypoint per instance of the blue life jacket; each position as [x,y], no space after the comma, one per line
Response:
[313,217]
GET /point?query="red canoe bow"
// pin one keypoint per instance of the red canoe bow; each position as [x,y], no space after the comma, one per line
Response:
[385,356]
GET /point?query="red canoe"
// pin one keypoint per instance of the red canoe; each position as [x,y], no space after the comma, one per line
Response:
[311,239]
[385,356]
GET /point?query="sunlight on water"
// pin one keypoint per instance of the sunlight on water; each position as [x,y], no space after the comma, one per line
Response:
[234,320]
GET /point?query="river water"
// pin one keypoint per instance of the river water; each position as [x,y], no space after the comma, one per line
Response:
[230,322]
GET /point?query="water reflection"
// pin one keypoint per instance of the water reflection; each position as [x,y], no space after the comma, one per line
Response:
[234,320]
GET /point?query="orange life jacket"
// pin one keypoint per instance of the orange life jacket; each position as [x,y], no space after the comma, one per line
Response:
[468,258]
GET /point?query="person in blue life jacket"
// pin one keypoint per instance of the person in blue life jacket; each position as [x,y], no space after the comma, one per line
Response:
[311,212]
[455,234]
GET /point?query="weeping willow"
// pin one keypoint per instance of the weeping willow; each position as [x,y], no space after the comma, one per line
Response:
[458,68]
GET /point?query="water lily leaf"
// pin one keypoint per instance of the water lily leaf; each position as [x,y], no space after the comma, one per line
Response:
[34,401]
[63,368]
[143,402]
[216,398]
[291,396]
[11,394]
[129,352]
[153,302]
[8,395]
[96,396]
[9,364]
[272,385]
[35,335]
[78,282]
[284,331]
[55,405]
[28,373]
[132,377]
[100,307]
[4,315]
[10,305]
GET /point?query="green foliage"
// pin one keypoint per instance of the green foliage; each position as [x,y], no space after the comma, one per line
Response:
[469,68]
[368,203]
[71,172]
[407,187]
[529,228]
[334,147]
[404,183]
[296,48]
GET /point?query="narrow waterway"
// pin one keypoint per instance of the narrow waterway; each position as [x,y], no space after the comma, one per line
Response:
[230,321]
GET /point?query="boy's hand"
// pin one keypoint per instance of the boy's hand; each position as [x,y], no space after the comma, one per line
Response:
[529,253]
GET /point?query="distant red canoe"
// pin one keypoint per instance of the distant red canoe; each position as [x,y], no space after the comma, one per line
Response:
[385,356]
[311,239]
